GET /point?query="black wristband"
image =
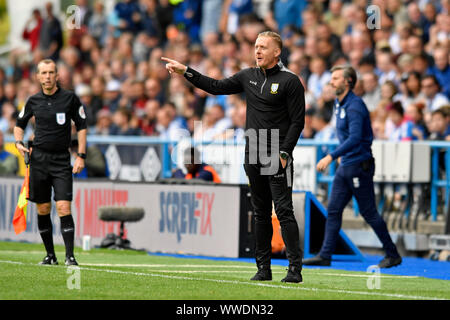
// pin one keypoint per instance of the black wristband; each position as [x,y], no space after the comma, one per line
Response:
[284,155]
[81,155]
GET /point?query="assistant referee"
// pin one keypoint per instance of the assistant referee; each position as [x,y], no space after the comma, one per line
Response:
[275,119]
[53,109]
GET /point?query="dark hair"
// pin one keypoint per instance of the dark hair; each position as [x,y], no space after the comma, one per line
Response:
[440,111]
[349,74]
[396,106]
[432,77]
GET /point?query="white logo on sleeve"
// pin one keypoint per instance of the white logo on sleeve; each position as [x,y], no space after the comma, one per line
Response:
[22,112]
[61,118]
[81,112]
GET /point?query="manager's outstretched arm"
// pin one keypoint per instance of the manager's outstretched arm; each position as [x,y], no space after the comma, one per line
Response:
[229,85]
[174,66]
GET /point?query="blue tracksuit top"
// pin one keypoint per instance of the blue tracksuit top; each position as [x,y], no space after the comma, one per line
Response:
[353,129]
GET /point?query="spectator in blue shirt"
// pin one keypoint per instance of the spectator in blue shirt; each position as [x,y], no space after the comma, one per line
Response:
[129,16]
[441,69]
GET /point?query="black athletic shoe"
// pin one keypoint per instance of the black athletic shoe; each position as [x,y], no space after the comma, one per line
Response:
[263,274]
[389,262]
[50,260]
[294,275]
[70,261]
[317,261]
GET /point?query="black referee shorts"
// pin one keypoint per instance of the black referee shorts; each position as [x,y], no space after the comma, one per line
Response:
[49,170]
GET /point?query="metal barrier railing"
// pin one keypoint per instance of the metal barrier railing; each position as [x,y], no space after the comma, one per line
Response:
[437,180]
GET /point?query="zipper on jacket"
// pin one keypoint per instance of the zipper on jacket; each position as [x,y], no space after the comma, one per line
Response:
[262,86]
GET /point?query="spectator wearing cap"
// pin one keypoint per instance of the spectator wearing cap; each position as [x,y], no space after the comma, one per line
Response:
[431,90]
[84,92]
[112,95]
[103,123]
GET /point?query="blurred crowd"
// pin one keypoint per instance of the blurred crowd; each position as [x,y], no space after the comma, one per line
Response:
[112,61]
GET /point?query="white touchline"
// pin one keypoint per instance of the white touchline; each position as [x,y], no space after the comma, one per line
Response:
[298,287]
[307,271]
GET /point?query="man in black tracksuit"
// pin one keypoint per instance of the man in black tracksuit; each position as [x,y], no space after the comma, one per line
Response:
[275,120]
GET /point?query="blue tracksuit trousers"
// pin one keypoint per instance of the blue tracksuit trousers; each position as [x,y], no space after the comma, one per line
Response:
[354,180]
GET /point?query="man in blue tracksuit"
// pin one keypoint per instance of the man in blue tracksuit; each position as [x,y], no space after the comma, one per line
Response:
[354,177]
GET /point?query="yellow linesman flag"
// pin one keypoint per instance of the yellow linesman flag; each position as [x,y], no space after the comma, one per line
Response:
[20,215]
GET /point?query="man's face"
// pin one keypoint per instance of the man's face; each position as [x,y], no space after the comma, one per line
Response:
[369,82]
[47,76]
[438,123]
[266,52]
[337,82]
[441,59]
[429,88]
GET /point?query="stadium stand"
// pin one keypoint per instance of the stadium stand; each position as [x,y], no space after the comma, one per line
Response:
[112,60]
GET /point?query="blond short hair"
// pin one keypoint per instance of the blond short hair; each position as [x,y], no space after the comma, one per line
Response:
[275,36]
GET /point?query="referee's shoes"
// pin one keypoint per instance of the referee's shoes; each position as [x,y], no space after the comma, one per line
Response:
[70,261]
[49,260]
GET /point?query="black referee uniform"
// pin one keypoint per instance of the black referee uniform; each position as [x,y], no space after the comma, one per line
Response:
[50,160]
[50,165]
[275,106]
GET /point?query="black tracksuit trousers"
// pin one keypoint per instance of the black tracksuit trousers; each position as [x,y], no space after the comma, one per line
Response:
[277,188]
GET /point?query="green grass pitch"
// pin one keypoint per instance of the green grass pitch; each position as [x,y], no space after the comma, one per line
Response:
[109,274]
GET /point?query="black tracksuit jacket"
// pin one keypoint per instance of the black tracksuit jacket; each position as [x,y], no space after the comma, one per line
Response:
[275,100]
